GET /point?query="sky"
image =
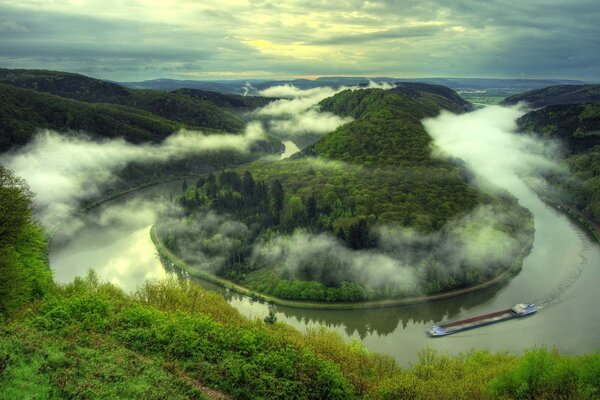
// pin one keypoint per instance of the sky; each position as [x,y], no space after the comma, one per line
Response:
[230,39]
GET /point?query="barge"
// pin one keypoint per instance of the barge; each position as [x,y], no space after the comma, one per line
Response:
[520,310]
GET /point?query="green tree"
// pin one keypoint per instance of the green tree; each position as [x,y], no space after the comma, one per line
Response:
[311,209]
[358,235]
[248,187]
[24,271]
[277,198]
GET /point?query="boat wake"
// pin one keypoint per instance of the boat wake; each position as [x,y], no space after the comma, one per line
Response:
[556,295]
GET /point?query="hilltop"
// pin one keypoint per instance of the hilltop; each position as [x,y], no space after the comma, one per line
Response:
[190,107]
[66,102]
[558,94]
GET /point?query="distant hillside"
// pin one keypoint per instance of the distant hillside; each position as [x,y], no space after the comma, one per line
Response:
[202,109]
[578,127]
[235,86]
[240,86]
[227,101]
[23,111]
[560,94]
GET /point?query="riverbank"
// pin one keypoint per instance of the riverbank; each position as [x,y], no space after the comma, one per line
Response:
[177,262]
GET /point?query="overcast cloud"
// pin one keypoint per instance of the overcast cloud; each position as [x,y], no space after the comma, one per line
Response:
[144,39]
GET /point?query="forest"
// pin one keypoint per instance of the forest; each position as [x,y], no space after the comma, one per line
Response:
[65,102]
[355,184]
[577,127]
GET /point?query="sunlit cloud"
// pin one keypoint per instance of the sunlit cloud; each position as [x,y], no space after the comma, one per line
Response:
[127,40]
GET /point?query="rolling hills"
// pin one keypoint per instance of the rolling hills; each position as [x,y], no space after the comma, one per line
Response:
[66,102]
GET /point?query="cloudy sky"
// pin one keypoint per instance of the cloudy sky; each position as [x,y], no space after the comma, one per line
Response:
[190,39]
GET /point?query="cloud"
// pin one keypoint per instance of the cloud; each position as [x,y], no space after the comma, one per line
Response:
[404,261]
[64,170]
[487,141]
[429,38]
[310,121]
[296,111]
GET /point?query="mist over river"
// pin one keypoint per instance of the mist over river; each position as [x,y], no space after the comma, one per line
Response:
[561,273]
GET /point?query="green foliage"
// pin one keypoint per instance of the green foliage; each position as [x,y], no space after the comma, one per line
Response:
[45,366]
[544,374]
[578,128]
[172,339]
[87,322]
[24,272]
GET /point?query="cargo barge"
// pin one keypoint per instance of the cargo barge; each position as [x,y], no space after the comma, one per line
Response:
[520,310]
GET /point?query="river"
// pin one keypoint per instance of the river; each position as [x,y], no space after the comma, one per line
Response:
[561,273]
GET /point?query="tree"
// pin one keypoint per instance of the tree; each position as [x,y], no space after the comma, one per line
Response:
[248,187]
[15,200]
[311,209]
[277,198]
[24,271]
[358,235]
[271,318]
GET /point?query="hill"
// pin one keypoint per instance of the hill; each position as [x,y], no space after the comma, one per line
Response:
[23,112]
[577,126]
[191,107]
[559,94]
[510,86]
[360,185]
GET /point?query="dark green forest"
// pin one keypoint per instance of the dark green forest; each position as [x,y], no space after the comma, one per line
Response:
[38,99]
[577,127]
[557,94]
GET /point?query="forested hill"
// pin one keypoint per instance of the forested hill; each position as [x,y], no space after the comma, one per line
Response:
[559,94]
[387,127]
[390,176]
[39,99]
[23,112]
[578,127]
[373,174]
[190,107]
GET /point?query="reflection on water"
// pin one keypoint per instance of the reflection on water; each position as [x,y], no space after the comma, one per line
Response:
[290,149]
[362,323]
[126,262]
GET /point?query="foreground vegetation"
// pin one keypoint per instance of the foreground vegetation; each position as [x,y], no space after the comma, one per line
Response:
[173,340]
